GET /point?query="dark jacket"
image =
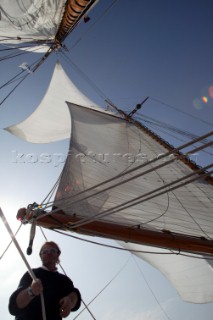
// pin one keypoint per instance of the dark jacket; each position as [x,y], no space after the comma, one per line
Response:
[55,287]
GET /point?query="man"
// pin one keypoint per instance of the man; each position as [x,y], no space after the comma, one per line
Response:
[60,295]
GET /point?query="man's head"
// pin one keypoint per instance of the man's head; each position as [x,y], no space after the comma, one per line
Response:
[50,253]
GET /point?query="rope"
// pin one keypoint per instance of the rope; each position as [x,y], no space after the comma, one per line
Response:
[173,151]
[22,78]
[110,246]
[33,220]
[188,114]
[10,242]
[171,252]
[50,194]
[140,174]
[167,126]
[134,202]
[141,272]
[23,258]
[115,276]
[156,126]
[14,89]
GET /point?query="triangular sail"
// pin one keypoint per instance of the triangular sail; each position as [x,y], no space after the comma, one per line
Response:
[103,146]
[51,119]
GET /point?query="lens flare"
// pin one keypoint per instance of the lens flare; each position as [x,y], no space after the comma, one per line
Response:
[204,99]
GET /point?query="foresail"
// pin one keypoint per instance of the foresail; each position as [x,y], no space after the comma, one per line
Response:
[165,195]
[51,119]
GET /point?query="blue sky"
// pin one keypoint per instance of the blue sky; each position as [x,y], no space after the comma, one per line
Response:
[157,48]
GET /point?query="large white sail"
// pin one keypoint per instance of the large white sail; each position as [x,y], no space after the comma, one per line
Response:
[27,21]
[103,146]
[51,119]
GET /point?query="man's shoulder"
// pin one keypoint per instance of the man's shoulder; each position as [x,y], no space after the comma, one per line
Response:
[38,270]
[63,277]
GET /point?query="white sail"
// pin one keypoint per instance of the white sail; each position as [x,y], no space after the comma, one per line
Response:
[103,146]
[192,277]
[27,21]
[51,119]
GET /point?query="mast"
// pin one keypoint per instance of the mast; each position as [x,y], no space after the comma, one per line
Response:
[73,12]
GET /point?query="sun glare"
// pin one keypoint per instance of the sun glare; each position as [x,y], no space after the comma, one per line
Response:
[204,99]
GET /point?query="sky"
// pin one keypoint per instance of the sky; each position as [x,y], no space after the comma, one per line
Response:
[130,49]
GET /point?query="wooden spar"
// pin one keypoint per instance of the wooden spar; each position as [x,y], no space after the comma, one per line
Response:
[161,239]
[74,11]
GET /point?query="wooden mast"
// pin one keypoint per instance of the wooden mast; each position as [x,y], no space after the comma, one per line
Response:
[74,10]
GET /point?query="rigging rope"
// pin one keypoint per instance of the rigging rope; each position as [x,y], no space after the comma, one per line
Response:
[12,55]
[132,202]
[162,156]
[33,220]
[188,114]
[156,125]
[138,200]
[50,194]
[138,175]
[97,20]
[113,278]
[13,79]
[84,76]
[16,52]
[168,126]
[171,252]
[9,244]
[14,89]
[141,272]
